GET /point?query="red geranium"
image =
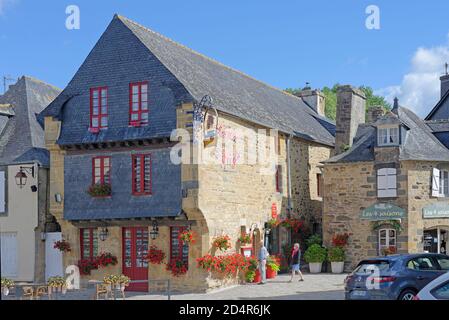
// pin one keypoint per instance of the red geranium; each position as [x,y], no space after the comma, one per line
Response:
[222,243]
[177,267]
[155,256]
[106,259]
[226,264]
[187,237]
[87,265]
[340,240]
[62,246]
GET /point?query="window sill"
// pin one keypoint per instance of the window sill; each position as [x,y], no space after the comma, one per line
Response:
[101,197]
[139,195]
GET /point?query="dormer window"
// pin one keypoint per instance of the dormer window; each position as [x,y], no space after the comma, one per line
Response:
[138,104]
[98,108]
[388,136]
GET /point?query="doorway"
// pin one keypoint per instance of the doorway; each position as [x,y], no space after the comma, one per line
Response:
[435,240]
[135,250]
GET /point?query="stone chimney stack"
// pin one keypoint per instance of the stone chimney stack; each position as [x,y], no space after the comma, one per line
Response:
[314,98]
[374,113]
[351,104]
[444,84]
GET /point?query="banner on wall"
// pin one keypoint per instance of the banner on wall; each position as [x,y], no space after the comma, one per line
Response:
[436,211]
[382,211]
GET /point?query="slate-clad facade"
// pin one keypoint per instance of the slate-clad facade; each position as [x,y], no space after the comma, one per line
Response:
[127,62]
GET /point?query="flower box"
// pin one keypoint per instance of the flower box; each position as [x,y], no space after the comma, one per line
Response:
[100,190]
[94,130]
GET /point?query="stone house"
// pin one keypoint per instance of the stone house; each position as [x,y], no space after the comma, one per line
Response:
[387,185]
[25,223]
[137,100]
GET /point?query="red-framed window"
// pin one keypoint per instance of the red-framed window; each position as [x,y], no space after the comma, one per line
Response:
[279,179]
[99,108]
[88,243]
[138,103]
[178,250]
[142,176]
[101,170]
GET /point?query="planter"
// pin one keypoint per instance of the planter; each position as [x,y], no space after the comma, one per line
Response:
[271,274]
[258,277]
[315,267]
[337,267]
[5,291]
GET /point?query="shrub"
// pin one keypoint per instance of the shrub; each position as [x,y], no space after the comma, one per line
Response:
[336,254]
[315,254]
[314,239]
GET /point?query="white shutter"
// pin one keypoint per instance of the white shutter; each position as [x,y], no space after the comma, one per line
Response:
[436,183]
[386,183]
[2,192]
[391,186]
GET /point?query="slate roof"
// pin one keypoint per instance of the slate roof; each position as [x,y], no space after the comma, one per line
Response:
[22,137]
[420,142]
[232,91]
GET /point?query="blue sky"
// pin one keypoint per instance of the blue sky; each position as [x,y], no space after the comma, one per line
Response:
[284,43]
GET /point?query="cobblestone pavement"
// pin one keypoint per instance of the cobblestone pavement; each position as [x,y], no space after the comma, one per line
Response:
[315,287]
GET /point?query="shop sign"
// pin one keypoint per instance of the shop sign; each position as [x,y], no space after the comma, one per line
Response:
[274,211]
[436,211]
[382,211]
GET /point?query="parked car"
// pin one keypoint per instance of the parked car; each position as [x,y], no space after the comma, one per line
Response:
[438,289]
[395,277]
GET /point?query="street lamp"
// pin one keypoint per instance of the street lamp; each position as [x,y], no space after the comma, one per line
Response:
[103,234]
[154,231]
[21,177]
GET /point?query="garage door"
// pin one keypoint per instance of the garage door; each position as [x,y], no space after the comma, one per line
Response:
[9,255]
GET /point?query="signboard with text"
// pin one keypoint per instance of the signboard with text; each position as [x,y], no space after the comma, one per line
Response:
[436,211]
[382,211]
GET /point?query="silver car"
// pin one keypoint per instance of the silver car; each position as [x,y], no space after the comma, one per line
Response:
[438,289]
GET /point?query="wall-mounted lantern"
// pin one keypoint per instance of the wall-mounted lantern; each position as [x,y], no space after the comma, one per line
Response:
[21,177]
[104,232]
[154,233]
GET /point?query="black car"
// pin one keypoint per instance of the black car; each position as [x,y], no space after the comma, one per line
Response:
[396,277]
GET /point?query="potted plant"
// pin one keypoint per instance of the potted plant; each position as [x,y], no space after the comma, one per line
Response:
[314,239]
[6,284]
[244,239]
[187,237]
[57,284]
[222,243]
[340,240]
[62,245]
[123,281]
[337,257]
[155,256]
[273,267]
[100,190]
[315,255]
[250,274]
[105,259]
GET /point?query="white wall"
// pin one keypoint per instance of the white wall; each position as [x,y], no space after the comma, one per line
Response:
[22,218]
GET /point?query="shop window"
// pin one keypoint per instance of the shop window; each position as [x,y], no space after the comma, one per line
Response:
[101,170]
[141,176]
[178,250]
[387,240]
[386,183]
[99,108]
[89,243]
[388,136]
[138,103]
[440,183]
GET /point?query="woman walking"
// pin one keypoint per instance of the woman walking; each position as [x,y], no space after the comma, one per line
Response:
[295,262]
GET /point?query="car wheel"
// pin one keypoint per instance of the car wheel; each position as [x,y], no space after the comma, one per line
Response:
[407,294]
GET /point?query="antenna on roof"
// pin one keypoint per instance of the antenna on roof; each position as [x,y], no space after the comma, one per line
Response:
[5,80]
[446,65]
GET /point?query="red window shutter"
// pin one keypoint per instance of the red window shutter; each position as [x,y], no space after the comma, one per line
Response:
[142,174]
[178,250]
[89,239]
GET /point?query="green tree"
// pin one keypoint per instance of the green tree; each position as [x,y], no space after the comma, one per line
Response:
[331,99]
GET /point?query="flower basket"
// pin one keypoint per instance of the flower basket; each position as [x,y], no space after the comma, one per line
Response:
[87,265]
[62,245]
[226,265]
[340,240]
[257,277]
[6,285]
[187,237]
[57,284]
[244,239]
[222,243]
[106,259]
[155,256]
[100,190]
[177,268]
[389,251]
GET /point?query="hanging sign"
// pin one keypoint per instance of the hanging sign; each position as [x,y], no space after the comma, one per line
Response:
[382,211]
[274,211]
[436,211]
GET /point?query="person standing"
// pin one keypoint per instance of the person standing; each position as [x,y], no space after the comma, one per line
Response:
[295,262]
[263,255]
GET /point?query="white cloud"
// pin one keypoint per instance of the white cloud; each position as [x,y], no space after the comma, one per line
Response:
[4,4]
[420,88]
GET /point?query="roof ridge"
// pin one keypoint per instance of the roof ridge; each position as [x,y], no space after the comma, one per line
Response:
[36,80]
[208,58]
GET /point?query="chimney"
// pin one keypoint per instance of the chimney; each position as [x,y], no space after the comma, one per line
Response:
[314,99]
[351,104]
[374,113]
[444,84]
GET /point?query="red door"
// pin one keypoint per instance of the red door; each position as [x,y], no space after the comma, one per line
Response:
[135,249]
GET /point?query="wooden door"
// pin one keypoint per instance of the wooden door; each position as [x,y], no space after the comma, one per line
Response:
[135,249]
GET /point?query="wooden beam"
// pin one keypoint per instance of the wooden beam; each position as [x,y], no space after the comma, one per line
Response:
[132,223]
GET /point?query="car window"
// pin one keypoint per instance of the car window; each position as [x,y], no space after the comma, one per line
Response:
[367,267]
[441,292]
[443,262]
[421,264]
